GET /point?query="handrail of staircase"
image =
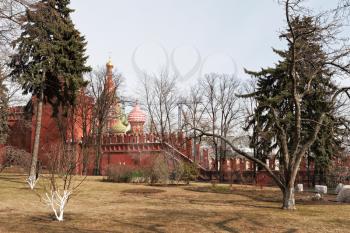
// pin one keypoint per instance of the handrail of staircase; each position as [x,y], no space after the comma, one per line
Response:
[183,155]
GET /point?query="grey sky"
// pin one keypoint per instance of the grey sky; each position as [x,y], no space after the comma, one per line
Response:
[242,29]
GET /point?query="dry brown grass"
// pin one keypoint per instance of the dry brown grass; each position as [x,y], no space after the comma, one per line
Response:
[110,207]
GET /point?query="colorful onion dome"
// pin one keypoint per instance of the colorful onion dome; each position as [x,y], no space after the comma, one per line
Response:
[119,127]
[137,115]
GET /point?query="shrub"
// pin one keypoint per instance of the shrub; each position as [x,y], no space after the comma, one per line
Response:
[138,176]
[119,173]
[157,172]
[13,156]
[178,172]
[190,172]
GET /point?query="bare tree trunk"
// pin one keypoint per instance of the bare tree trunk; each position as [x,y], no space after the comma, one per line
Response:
[98,154]
[33,169]
[288,197]
[85,143]
[85,153]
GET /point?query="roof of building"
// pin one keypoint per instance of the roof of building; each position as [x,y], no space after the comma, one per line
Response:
[119,127]
[137,115]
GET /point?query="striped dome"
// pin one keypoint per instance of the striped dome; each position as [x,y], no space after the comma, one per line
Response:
[137,115]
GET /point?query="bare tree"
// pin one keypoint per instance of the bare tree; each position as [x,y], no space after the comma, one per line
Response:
[248,108]
[10,12]
[84,111]
[193,110]
[61,183]
[222,109]
[160,98]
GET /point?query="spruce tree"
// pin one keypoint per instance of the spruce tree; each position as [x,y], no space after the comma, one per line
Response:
[49,62]
[280,98]
[273,89]
[70,57]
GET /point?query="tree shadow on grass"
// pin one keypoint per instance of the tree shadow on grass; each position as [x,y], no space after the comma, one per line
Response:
[252,195]
[343,222]
[13,179]
[222,225]
[209,202]
[203,218]
[147,228]
[12,175]
[291,230]
[157,219]
[6,210]
[270,196]
[143,191]
[38,222]
[168,185]
[255,194]
[48,223]
[254,224]
[49,218]
[218,202]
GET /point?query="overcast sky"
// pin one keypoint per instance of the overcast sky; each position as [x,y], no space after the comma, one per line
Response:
[229,35]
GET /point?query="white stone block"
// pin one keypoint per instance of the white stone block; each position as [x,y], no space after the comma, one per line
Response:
[300,187]
[344,194]
[338,188]
[317,196]
[321,189]
[277,165]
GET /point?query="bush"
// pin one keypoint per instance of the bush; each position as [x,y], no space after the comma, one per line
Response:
[13,156]
[190,172]
[138,177]
[177,172]
[184,171]
[119,173]
[157,172]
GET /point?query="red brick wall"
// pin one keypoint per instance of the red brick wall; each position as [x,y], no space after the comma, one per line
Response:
[126,149]
[127,159]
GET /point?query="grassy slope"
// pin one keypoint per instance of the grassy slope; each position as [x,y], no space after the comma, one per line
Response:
[104,207]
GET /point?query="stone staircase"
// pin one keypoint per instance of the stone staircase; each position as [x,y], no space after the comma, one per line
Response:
[178,155]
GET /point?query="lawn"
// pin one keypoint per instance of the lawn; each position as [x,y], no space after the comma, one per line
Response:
[111,207]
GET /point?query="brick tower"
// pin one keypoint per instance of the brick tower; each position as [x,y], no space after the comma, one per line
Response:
[117,123]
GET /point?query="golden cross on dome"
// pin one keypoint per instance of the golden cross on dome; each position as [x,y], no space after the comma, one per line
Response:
[109,63]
